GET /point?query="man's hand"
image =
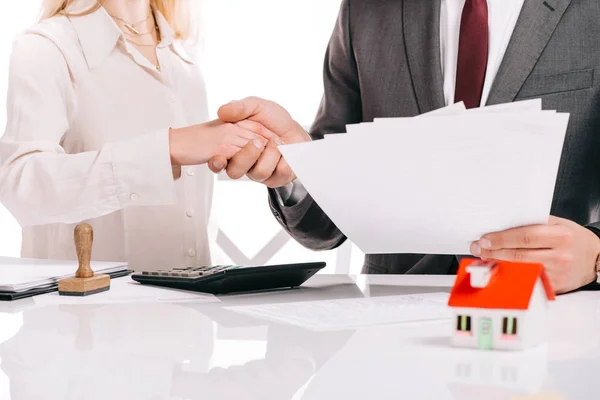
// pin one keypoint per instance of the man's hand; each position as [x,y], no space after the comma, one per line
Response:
[264,118]
[567,250]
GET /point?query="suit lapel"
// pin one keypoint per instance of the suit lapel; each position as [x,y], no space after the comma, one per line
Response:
[535,26]
[421,21]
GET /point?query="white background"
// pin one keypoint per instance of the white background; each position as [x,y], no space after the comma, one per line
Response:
[268,48]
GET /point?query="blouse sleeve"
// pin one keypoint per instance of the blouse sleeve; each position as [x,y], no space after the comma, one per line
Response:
[41,184]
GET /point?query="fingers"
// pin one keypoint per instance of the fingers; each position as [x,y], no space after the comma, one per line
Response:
[556,263]
[270,114]
[282,176]
[256,128]
[217,164]
[243,161]
[245,134]
[266,164]
[530,237]
[239,110]
[558,221]
[543,256]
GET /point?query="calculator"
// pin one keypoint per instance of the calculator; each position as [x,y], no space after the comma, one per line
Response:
[225,279]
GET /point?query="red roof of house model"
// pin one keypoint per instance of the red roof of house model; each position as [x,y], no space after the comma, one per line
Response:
[510,287]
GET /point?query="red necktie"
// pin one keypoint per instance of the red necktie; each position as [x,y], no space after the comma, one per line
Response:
[472,53]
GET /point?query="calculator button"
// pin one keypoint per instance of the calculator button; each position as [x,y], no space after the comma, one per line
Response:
[209,272]
[191,274]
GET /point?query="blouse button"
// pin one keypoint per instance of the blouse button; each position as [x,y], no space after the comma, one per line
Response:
[189,213]
[190,172]
[192,252]
[134,197]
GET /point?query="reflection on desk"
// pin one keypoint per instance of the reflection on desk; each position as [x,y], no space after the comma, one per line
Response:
[204,351]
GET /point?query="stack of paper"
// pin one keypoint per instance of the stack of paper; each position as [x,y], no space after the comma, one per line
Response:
[20,274]
[435,183]
[126,291]
[341,314]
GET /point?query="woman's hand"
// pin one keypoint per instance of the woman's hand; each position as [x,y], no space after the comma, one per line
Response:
[197,144]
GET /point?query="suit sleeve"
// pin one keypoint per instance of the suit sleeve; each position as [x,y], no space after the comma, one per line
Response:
[340,105]
[595,228]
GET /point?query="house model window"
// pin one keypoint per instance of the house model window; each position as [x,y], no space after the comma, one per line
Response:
[463,325]
[509,326]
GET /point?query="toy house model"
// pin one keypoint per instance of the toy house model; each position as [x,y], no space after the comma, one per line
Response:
[500,305]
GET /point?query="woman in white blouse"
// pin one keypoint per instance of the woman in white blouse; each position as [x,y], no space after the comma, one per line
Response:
[107,124]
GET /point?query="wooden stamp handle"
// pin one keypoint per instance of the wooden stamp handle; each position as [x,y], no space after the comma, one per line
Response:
[84,237]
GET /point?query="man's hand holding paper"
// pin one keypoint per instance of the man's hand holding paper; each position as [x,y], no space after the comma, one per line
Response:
[567,250]
[442,182]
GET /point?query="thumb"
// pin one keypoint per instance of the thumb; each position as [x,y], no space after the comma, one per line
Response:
[217,164]
[556,221]
[271,115]
[234,111]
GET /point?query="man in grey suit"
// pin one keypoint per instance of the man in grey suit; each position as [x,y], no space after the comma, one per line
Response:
[401,58]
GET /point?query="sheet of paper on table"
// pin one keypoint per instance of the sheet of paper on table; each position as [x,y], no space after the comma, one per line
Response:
[435,183]
[21,274]
[343,314]
[125,290]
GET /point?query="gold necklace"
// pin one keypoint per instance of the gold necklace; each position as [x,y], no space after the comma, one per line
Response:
[142,33]
[157,66]
[131,25]
[146,44]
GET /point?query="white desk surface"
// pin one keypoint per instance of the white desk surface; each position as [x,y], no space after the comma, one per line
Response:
[163,350]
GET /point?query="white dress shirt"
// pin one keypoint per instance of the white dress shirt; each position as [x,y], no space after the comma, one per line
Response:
[87,140]
[502,19]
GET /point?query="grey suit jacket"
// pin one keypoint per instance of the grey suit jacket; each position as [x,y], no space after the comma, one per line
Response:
[384,61]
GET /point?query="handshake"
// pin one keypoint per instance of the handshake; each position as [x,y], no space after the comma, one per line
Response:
[243,141]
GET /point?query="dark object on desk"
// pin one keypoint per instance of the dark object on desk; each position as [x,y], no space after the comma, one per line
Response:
[85,282]
[594,286]
[223,279]
[9,296]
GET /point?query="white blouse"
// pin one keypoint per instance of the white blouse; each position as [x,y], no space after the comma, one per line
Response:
[87,140]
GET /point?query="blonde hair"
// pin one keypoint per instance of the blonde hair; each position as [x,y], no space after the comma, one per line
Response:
[176,12]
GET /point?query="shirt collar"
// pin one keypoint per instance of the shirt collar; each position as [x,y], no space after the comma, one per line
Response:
[98,34]
[167,36]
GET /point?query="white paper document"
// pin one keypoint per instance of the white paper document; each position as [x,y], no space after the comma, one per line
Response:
[21,274]
[126,291]
[327,315]
[433,184]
